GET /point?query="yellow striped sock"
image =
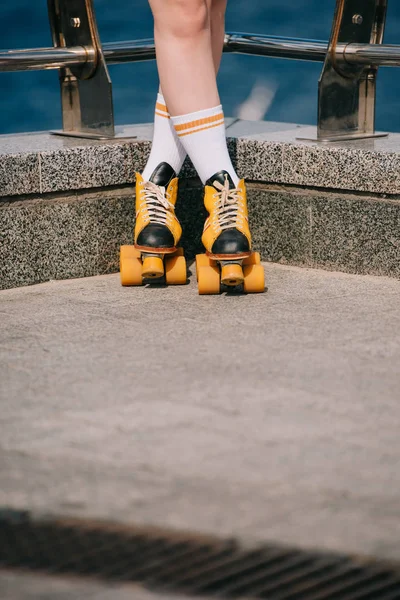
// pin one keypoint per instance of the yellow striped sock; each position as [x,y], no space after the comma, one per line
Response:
[202,134]
[166,146]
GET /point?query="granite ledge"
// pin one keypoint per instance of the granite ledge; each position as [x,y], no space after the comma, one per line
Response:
[40,163]
[78,234]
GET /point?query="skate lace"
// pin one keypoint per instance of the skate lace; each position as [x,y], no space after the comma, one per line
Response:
[156,200]
[226,204]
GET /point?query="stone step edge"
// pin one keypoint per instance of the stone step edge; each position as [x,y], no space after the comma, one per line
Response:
[262,151]
[79,235]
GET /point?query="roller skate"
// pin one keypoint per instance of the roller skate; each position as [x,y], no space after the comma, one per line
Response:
[228,261]
[155,255]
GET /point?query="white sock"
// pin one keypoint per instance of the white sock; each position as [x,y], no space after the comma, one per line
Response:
[202,133]
[166,146]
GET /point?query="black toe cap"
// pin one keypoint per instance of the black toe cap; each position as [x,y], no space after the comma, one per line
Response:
[231,241]
[221,177]
[155,235]
[163,174]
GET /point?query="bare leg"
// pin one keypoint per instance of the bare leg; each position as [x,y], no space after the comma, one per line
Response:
[217,15]
[182,32]
[166,145]
[217,10]
[189,36]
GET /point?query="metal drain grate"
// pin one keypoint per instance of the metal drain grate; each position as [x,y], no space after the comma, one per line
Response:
[189,564]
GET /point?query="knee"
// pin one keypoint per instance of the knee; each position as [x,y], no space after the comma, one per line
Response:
[183,18]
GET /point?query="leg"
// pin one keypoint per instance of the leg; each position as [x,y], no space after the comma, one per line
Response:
[188,56]
[186,65]
[217,14]
[156,224]
[182,33]
[166,146]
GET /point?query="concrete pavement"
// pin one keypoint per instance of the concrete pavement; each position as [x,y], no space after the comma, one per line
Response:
[271,417]
[16,585]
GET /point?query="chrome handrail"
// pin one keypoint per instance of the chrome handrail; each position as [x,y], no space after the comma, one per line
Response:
[347,84]
[141,50]
[37,59]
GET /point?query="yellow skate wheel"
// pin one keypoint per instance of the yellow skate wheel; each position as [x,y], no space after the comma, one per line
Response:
[254,279]
[153,267]
[202,260]
[175,270]
[232,275]
[130,266]
[253,259]
[129,251]
[209,280]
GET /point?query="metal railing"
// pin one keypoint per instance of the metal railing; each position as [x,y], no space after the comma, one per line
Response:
[347,86]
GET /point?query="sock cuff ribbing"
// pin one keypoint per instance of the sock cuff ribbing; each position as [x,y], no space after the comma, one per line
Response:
[198,121]
[199,114]
[161,107]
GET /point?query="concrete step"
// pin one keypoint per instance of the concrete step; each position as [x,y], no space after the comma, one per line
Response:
[67,205]
[79,234]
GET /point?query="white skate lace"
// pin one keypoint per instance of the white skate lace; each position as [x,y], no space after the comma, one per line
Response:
[156,200]
[226,204]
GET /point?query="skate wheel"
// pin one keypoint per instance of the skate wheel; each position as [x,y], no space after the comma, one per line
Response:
[130,266]
[209,280]
[254,279]
[253,259]
[232,275]
[179,252]
[153,267]
[175,270]
[202,260]
[129,251]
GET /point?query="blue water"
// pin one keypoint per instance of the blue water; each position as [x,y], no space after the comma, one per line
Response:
[30,101]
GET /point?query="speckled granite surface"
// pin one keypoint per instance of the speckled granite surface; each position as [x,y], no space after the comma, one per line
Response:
[79,234]
[74,236]
[19,174]
[262,151]
[279,156]
[66,204]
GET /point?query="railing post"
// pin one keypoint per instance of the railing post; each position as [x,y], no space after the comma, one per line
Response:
[347,92]
[86,91]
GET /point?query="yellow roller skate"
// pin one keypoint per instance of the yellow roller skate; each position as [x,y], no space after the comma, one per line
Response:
[155,255]
[228,260]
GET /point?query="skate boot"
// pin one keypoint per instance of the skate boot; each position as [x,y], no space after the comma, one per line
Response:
[228,260]
[155,254]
